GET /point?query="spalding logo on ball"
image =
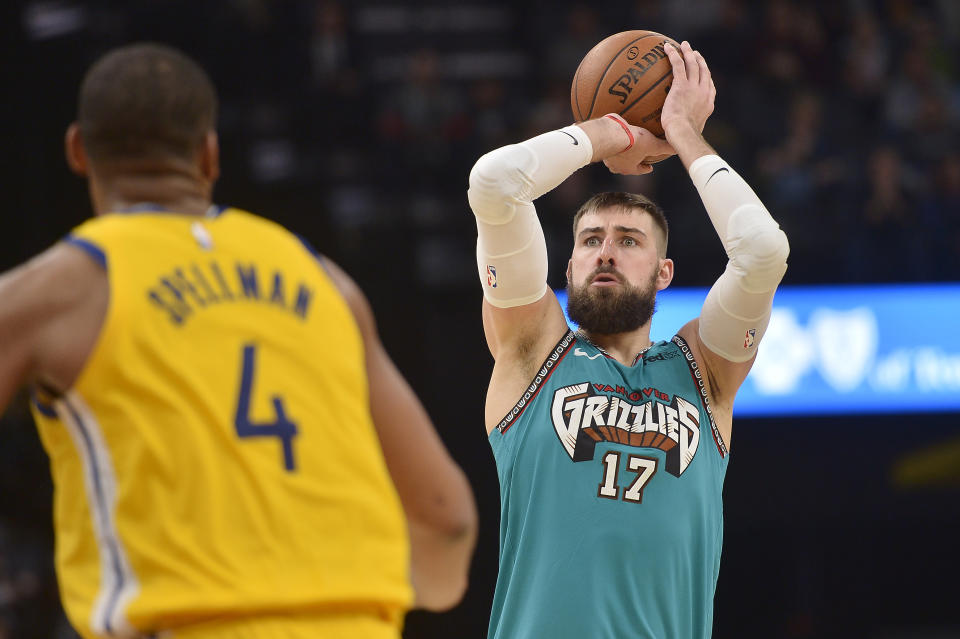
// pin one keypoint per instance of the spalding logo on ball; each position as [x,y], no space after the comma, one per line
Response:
[628,73]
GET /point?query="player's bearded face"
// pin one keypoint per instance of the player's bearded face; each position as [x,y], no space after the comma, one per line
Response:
[611,309]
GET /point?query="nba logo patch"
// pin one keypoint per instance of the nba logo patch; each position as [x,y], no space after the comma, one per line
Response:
[201,235]
[750,338]
[491,276]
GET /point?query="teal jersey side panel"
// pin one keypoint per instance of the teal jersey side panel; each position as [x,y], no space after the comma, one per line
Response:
[611,513]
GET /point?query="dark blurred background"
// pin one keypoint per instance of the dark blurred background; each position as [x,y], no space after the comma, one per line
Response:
[356,123]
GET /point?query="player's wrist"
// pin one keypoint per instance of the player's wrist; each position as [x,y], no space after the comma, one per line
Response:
[606,135]
[686,140]
[625,127]
[678,127]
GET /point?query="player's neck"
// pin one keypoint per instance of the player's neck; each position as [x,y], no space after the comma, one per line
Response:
[174,192]
[623,347]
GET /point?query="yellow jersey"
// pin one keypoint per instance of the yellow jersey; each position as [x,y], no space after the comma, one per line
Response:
[216,457]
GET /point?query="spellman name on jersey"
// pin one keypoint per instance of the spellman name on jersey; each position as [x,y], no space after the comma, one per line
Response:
[586,413]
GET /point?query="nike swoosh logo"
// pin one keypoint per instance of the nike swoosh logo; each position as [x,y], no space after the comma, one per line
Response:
[571,137]
[723,168]
[581,353]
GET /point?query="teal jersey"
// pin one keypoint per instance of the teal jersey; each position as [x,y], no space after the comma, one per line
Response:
[611,519]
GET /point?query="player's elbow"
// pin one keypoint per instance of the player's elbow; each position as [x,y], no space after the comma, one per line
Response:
[758,251]
[461,525]
[440,559]
[772,244]
[497,180]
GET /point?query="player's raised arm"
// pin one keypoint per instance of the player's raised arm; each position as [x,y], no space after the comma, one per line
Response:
[511,251]
[737,309]
[436,497]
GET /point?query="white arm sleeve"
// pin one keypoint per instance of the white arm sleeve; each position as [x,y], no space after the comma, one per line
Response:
[737,309]
[511,250]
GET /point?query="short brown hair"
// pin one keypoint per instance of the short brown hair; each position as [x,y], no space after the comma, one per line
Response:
[627,201]
[145,100]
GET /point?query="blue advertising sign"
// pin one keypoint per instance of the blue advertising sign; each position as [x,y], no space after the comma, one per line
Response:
[843,349]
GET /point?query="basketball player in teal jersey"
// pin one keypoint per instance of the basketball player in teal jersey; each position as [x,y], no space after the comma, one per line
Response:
[611,450]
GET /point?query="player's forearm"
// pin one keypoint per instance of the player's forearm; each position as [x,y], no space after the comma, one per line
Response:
[432,488]
[525,171]
[440,512]
[735,314]
[436,497]
[737,214]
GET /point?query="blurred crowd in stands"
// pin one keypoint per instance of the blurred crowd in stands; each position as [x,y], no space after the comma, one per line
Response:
[844,115]
[359,121]
[356,123]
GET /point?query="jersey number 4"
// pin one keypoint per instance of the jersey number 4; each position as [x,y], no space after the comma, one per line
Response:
[644,467]
[281,427]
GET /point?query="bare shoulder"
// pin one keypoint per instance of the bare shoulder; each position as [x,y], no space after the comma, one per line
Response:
[52,275]
[343,282]
[518,333]
[725,376]
[353,295]
[722,377]
[520,339]
[54,307]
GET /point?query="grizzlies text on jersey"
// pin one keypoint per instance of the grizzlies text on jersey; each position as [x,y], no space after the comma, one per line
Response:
[610,488]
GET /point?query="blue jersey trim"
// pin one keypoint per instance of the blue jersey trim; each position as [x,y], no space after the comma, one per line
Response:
[216,210]
[151,207]
[89,247]
[43,408]
[144,207]
[101,510]
[310,249]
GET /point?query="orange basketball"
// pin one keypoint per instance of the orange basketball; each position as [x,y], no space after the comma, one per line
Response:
[628,73]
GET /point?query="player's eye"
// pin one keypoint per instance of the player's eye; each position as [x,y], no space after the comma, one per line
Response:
[629,241]
[592,241]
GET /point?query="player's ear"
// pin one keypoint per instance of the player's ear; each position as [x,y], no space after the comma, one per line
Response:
[665,274]
[210,157]
[76,154]
[569,269]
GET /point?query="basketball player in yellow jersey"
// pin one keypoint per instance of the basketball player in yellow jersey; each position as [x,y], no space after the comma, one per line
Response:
[234,454]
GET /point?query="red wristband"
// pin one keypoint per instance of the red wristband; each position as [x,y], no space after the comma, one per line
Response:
[621,122]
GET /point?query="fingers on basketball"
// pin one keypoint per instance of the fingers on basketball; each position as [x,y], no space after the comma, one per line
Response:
[627,73]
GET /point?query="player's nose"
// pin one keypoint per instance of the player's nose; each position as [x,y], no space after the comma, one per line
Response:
[606,251]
